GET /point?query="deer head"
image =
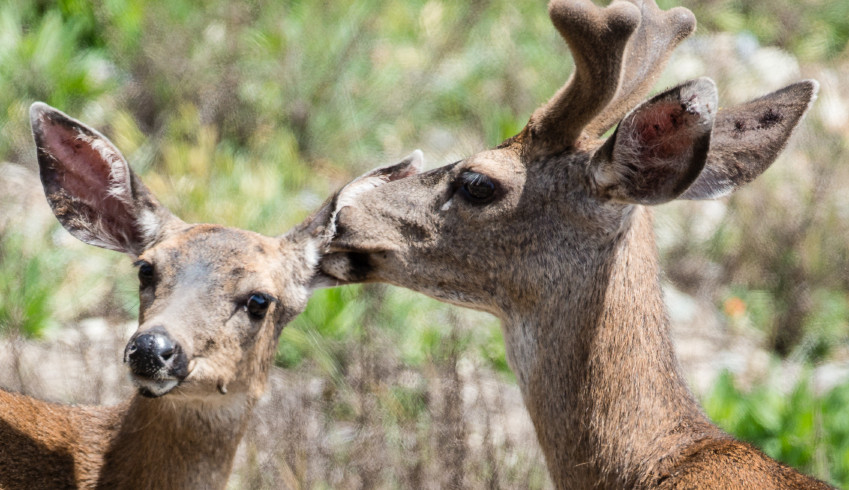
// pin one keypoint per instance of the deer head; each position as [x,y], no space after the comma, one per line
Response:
[502,229]
[213,299]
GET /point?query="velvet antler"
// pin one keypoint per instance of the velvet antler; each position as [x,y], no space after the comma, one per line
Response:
[619,51]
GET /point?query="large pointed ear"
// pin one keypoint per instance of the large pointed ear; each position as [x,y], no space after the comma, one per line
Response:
[321,225]
[747,138]
[659,148]
[90,186]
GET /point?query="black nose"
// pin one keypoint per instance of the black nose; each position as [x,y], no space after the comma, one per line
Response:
[153,353]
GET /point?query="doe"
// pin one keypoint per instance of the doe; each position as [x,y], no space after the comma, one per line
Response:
[213,301]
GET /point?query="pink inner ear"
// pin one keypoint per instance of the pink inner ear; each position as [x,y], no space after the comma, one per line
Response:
[664,131]
[83,171]
[92,173]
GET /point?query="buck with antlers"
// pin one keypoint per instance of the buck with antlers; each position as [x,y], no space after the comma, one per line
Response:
[213,301]
[552,232]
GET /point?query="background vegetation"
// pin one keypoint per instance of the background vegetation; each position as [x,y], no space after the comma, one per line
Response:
[250,113]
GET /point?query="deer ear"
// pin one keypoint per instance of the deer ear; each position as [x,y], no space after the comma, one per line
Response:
[659,148]
[747,138]
[90,186]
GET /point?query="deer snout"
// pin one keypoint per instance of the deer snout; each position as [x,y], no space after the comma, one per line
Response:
[363,232]
[156,361]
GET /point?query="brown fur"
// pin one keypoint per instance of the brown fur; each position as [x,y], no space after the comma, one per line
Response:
[564,254]
[597,38]
[204,275]
[142,443]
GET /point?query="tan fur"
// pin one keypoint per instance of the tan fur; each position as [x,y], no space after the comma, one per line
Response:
[204,275]
[187,438]
[571,268]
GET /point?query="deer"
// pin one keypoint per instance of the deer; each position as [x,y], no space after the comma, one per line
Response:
[551,231]
[213,302]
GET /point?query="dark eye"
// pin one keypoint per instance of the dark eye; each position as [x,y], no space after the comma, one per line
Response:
[257,305]
[146,273]
[477,188]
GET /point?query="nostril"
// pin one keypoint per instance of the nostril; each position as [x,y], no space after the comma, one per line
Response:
[161,346]
[152,351]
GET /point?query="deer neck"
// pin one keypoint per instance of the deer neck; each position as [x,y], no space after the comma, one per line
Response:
[598,373]
[144,443]
[175,443]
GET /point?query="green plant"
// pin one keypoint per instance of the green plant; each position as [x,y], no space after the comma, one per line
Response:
[802,428]
[26,287]
[43,56]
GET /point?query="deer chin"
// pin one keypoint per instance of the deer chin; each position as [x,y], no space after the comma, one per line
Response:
[204,381]
[154,388]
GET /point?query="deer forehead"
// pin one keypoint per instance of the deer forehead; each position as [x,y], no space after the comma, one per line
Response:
[503,165]
[225,258]
[556,177]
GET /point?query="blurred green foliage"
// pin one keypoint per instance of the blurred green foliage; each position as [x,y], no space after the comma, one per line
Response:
[804,429]
[337,319]
[24,286]
[249,113]
[811,29]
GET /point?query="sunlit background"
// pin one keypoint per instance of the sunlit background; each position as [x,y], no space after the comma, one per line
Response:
[250,113]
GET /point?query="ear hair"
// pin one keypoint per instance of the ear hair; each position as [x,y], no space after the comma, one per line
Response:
[659,148]
[90,187]
[749,137]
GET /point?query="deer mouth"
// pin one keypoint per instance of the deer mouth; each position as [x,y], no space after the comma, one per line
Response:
[353,255]
[154,388]
[347,267]
[157,384]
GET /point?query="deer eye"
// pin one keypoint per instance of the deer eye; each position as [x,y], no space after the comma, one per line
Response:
[146,273]
[477,188]
[257,305]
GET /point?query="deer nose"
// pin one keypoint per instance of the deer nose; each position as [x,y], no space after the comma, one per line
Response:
[153,354]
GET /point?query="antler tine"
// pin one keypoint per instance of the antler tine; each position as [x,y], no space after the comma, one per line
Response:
[597,38]
[645,57]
